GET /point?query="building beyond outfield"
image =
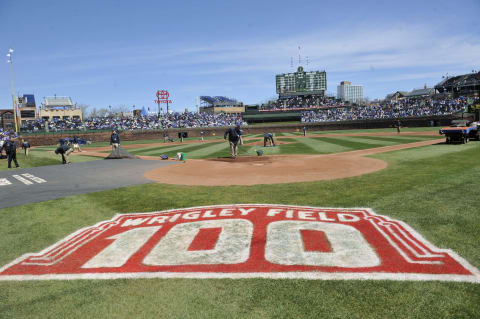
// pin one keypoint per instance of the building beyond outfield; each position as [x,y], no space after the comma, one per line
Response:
[301,83]
[350,93]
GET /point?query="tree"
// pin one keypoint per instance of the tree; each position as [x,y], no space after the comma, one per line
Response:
[102,112]
[84,108]
[93,112]
[120,109]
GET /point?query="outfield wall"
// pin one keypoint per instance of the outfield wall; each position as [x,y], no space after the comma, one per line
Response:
[52,138]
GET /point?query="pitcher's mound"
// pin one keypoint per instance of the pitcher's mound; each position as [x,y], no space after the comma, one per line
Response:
[120,153]
[265,170]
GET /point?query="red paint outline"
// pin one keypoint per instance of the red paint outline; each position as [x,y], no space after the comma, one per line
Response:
[405,254]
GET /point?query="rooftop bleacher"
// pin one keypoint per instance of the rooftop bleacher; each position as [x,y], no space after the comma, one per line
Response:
[218,101]
[57,101]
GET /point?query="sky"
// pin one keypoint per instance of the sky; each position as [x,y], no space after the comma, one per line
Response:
[119,53]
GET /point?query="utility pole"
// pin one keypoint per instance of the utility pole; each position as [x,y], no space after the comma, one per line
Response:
[10,60]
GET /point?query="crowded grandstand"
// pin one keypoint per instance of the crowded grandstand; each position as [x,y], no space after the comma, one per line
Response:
[452,95]
[313,114]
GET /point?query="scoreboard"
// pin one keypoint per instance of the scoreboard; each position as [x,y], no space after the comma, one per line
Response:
[301,82]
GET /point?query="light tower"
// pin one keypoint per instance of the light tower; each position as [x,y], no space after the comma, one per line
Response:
[10,60]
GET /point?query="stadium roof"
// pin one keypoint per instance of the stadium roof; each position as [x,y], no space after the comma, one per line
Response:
[53,101]
[421,92]
[460,80]
[218,101]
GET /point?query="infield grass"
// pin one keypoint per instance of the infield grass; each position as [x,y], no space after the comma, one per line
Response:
[296,145]
[42,157]
[434,189]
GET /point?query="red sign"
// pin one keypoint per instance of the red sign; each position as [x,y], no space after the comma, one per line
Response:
[162,97]
[245,241]
[163,94]
[162,101]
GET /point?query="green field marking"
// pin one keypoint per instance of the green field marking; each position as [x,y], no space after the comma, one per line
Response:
[291,134]
[185,149]
[153,151]
[225,151]
[325,146]
[276,150]
[346,143]
[396,140]
[287,139]
[207,150]
[296,148]
[432,151]
[268,150]
[381,141]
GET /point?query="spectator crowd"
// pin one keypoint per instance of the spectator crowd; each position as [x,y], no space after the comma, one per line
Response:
[301,102]
[314,109]
[149,122]
[387,110]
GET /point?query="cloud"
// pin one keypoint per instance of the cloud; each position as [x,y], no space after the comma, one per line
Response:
[392,47]
[397,52]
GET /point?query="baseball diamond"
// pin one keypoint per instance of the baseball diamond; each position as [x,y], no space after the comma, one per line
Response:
[240,159]
[166,221]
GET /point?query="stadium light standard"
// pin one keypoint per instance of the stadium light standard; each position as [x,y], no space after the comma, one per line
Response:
[10,60]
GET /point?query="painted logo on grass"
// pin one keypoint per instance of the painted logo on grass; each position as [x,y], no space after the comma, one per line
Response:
[245,241]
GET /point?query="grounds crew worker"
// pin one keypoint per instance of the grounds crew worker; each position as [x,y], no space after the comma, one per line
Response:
[76,145]
[25,146]
[233,134]
[64,150]
[398,125]
[268,137]
[11,150]
[114,140]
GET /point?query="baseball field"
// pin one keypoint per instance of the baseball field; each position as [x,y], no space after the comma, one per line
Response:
[412,177]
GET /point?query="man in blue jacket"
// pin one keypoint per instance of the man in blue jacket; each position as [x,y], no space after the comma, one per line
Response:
[115,140]
[11,150]
[64,150]
[268,137]
[233,135]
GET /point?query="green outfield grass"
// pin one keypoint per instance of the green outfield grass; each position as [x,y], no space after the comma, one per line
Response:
[434,189]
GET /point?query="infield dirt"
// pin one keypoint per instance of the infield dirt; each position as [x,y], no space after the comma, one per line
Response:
[250,170]
[254,170]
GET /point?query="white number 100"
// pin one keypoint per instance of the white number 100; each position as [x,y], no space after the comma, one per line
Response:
[284,245]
